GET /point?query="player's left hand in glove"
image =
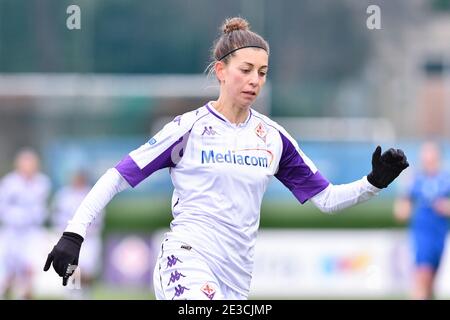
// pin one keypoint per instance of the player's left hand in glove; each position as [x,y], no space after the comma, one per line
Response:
[65,255]
[386,167]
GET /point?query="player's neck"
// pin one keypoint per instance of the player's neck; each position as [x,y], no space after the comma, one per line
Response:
[234,113]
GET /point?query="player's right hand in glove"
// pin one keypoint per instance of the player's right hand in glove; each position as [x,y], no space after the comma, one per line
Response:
[386,167]
[65,255]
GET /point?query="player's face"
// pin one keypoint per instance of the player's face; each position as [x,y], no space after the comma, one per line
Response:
[245,75]
[27,164]
[79,180]
[430,157]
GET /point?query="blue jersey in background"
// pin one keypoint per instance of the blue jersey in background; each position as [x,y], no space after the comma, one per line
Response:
[428,226]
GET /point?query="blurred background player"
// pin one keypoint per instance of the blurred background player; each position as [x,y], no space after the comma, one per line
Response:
[23,210]
[427,205]
[64,205]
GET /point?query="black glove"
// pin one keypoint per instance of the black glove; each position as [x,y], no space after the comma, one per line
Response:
[386,167]
[65,255]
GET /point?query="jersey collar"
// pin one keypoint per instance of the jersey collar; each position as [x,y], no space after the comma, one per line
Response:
[220,116]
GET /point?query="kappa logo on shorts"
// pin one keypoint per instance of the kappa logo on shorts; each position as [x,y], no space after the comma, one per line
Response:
[172,260]
[179,290]
[208,290]
[175,276]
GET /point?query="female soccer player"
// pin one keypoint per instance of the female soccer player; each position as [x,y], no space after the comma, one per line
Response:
[221,157]
[428,200]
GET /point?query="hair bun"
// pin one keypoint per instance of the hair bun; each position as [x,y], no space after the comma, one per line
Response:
[235,24]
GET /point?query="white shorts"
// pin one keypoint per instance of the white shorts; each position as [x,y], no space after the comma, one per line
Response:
[182,274]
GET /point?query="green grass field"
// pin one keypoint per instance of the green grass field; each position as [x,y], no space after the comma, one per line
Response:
[145,216]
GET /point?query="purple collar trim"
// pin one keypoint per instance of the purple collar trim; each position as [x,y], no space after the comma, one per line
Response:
[214,112]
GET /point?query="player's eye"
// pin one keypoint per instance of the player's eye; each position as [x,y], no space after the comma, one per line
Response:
[262,73]
[245,70]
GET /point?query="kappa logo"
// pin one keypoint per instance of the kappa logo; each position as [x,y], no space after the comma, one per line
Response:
[179,290]
[209,131]
[172,260]
[261,131]
[208,290]
[175,276]
[177,119]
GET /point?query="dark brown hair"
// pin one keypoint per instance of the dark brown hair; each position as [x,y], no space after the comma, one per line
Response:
[236,34]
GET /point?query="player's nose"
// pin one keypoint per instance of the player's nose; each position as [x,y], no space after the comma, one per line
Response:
[253,81]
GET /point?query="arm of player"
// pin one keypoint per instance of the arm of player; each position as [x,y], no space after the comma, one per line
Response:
[164,150]
[443,206]
[65,253]
[337,197]
[7,201]
[385,168]
[110,184]
[402,209]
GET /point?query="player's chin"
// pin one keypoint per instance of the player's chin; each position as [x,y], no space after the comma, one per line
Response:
[248,99]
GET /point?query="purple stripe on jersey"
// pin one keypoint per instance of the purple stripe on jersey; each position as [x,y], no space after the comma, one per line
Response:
[215,114]
[296,175]
[249,116]
[134,175]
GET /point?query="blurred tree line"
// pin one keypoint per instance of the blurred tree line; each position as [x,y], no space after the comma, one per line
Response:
[315,45]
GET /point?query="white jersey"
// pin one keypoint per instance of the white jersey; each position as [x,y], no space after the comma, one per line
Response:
[23,202]
[65,202]
[220,172]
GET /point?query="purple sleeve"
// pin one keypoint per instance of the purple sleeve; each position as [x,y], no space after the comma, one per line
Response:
[296,175]
[131,172]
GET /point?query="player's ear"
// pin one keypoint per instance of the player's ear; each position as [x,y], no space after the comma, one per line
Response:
[219,69]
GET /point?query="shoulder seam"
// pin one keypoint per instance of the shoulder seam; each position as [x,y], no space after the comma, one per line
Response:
[191,118]
[193,124]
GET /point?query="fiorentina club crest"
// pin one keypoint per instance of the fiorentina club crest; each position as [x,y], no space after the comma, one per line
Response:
[261,131]
[208,290]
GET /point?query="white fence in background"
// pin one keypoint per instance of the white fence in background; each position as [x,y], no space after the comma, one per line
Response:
[338,264]
[293,264]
